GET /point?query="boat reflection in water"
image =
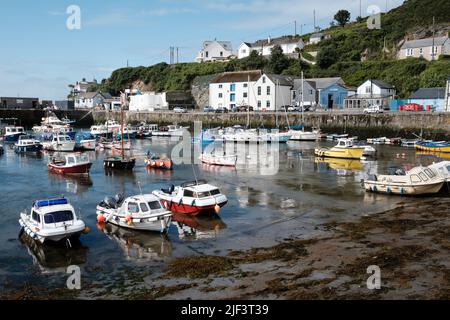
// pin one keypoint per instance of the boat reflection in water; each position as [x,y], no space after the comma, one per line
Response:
[74,184]
[198,227]
[343,167]
[54,258]
[432,156]
[159,172]
[138,245]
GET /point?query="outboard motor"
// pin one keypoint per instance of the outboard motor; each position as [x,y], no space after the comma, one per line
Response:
[119,199]
[110,202]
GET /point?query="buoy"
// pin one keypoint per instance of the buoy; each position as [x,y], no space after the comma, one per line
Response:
[86,230]
[101,218]
[129,220]
[217,209]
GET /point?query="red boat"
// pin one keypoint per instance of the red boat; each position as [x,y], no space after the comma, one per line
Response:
[72,164]
[192,198]
[159,162]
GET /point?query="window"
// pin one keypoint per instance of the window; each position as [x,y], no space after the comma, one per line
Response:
[144,207]
[245,85]
[264,80]
[423,176]
[409,52]
[220,86]
[207,54]
[154,205]
[133,207]
[259,91]
[189,193]
[268,104]
[415,178]
[71,160]
[60,216]
[220,95]
[245,95]
[221,53]
[430,173]
[259,104]
[310,92]
[368,89]
[244,51]
[215,192]
[233,97]
[421,50]
[268,90]
[232,87]
[35,216]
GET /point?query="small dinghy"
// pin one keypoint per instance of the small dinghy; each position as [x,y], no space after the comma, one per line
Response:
[27,144]
[192,198]
[72,164]
[217,160]
[158,162]
[417,181]
[52,220]
[141,212]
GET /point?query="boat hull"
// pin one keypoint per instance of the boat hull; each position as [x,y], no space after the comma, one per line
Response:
[165,164]
[72,232]
[304,136]
[28,149]
[432,148]
[342,153]
[119,164]
[190,209]
[72,170]
[402,189]
[229,161]
[86,145]
[12,137]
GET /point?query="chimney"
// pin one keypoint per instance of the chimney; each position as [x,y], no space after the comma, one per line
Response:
[269,40]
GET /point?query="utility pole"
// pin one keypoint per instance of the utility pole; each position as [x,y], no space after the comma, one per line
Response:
[386,6]
[360,9]
[128,64]
[295,27]
[177,55]
[314,13]
[434,34]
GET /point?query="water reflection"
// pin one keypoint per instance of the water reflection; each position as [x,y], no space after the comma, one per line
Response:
[429,157]
[138,245]
[54,258]
[74,184]
[342,166]
[198,227]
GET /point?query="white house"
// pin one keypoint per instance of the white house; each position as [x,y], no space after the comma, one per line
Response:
[429,48]
[447,95]
[371,92]
[263,92]
[215,51]
[90,100]
[288,44]
[318,37]
[148,101]
[82,86]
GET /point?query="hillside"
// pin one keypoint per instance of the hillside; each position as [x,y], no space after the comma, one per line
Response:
[354,52]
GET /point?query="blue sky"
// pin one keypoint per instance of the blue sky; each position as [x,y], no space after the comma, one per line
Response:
[40,57]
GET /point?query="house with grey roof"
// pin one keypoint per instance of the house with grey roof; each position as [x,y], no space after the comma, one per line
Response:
[91,100]
[371,92]
[429,48]
[312,89]
[289,45]
[432,99]
[215,51]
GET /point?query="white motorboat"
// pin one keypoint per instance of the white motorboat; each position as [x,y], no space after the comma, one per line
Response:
[51,124]
[61,143]
[52,220]
[12,134]
[417,181]
[170,131]
[140,212]
[301,135]
[98,130]
[253,136]
[27,144]
[219,160]
[443,169]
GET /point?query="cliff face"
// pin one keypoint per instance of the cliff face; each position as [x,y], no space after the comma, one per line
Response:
[200,90]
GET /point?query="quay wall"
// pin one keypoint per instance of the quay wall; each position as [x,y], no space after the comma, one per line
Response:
[432,125]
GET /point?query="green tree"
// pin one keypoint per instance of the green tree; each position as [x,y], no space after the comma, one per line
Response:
[278,61]
[342,17]
[326,57]
[253,62]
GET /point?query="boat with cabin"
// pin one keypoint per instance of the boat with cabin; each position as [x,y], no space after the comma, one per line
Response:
[71,164]
[443,169]
[345,149]
[52,220]
[85,141]
[170,131]
[192,198]
[28,144]
[143,212]
[62,143]
[12,134]
[219,160]
[417,181]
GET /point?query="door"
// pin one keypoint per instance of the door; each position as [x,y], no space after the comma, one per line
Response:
[330,101]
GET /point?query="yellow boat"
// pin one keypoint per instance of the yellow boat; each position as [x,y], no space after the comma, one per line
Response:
[432,146]
[341,164]
[345,149]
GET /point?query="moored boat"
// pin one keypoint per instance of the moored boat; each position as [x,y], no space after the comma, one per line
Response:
[344,149]
[443,169]
[62,143]
[85,141]
[192,198]
[13,133]
[417,181]
[158,162]
[170,131]
[27,144]
[2,149]
[72,164]
[433,146]
[52,220]
[219,160]
[140,212]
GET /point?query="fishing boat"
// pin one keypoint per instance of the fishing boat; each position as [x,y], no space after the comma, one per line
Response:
[336,136]
[417,181]
[27,144]
[51,124]
[238,135]
[141,212]
[170,131]
[71,164]
[121,145]
[128,133]
[345,149]
[85,141]
[192,198]
[341,164]
[409,143]
[52,221]
[13,133]
[62,143]
[158,162]
[122,162]
[146,130]
[433,146]
[219,160]
[99,131]
[369,151]
[105,143]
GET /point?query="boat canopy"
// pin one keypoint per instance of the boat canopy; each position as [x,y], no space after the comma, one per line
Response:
[193,183]
[51,202]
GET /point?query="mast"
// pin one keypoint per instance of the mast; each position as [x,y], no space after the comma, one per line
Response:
[275,104]
[248,101]
[303,103]
[121,131]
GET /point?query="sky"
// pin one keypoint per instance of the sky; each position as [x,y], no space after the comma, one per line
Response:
[40,56]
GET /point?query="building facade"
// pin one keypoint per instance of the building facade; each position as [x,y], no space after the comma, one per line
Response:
[19,103]
[312,89]
[91,100]
[333,96]
[65,105]
[429,48]
[371,92]
[148,101]
[289,45]
[215,51]
[432,99]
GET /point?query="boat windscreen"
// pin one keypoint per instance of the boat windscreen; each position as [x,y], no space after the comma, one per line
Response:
[154,205]
[58,216]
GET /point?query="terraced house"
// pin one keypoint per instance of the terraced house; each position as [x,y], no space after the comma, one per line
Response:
[429,48]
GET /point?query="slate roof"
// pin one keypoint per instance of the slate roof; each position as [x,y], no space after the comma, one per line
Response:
[238,76]
[429,93]
[427,42]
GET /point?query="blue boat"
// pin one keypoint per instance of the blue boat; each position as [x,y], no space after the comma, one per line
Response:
[12,134]
[27,144]
[433,146]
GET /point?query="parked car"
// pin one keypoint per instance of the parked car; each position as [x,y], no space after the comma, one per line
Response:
[373,109]
[221,110]
[208,109]
[411,107]
[179,110]
[244,108]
